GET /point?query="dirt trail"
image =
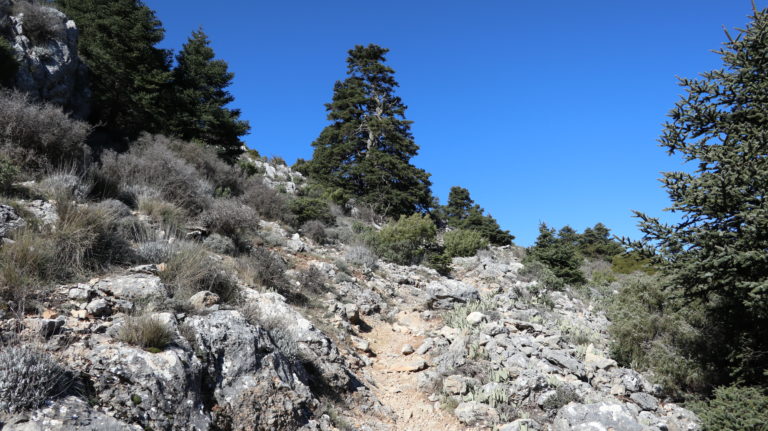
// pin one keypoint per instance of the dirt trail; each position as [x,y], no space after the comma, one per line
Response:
[396,385]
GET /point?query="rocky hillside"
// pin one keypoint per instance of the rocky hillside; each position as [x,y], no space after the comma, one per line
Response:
[369,345]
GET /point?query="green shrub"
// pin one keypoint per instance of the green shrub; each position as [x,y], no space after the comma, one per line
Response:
[631,262]
[305,209]
[463,242]
[535,270]
[559,254]
[8,64]
[651,331]
[8,174]
[405,241]
[734,408]
[440,262]
[147,331]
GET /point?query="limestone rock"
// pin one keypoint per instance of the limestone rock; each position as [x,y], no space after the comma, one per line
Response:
[51,70]
[473,413]
[443,294]
[9,220]
[203,299]
[595,417]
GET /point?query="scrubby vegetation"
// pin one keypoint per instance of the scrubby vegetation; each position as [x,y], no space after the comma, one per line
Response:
[29,377]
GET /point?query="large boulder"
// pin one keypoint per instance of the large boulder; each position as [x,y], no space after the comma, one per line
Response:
[49,67]
[595,417]
[443,294]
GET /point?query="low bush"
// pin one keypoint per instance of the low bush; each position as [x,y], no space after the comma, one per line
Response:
[315,230]
[85,239]
[651,331]
[152,164]
[312,280]
[405,241]
[171,218]
[305,209]
[265,269]
[631,262]
[463,242]
[157,251]
[190,269]
[563,395]
[40,23]
[37,137]
[146,331]
[267,202]
[29,377]
[546,278]
[229,217]
[8,174]
[361,255]
[734,408]
[227,180]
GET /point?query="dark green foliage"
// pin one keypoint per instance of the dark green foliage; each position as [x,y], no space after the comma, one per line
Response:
[200,99]
[8,174]
[718,253]
[128,73]
[596,243]
[306,209]
[463,242]
[735,408]
[8,64]
[406,241]
[557,253]
[650,330]
[631,262]
[366,150]
[461,212]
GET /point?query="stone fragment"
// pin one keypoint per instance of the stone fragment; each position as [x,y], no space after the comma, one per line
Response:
[203,299]
[98,307]
[475,318]
[645,401]
[407,349]
[473,413]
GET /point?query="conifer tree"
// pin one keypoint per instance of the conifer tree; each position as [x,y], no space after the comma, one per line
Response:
[200,99]
[128,72]
[717,255]
[558,253]
[366,150]
[461,212]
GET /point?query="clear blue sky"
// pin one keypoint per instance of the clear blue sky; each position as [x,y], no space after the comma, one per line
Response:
[545,110]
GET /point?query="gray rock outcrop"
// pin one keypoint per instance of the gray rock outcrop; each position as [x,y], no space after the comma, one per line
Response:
[49,67]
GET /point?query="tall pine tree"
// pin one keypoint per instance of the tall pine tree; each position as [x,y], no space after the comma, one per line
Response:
[717,256]
[127,71]
[200,99]
[367,148]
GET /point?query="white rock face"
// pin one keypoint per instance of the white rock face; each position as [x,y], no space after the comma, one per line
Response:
[51,70]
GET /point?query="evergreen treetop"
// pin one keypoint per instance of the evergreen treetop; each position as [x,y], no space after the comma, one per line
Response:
[366,150]
[200,99]
[128,73]
[461,212]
